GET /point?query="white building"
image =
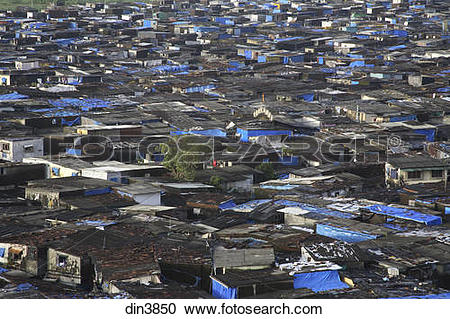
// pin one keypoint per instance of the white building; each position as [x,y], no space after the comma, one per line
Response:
[27,64]
[16,149]
[143,194]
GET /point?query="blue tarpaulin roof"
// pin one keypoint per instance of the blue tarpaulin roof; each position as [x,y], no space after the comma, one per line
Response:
[356,64]
[227,204]
[319,281]
[279,187]
[340,233]
[12,96]
[170,68]
[288,39]
[95,223]
[84,104]
[397,47]
[222,292]
[407,214]
[444,89]
[211,132]
[25,286]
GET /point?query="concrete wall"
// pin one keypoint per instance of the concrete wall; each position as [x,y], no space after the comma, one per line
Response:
[18,149]
[31,258]
[26,65]
[229,258]
[47,199]
[426,177]
[63,171]
[299,220]
[68,274]
[7,255]
[19,174]
[105,175]
[152,199]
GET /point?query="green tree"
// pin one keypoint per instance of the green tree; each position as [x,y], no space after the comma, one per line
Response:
[267,169]
[183,155]
[216,181]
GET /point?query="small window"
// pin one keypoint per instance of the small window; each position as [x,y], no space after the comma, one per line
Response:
[62,261]
[414,175]
[17,257]
[436,173]
[15,254]
[28,148]
[5,146]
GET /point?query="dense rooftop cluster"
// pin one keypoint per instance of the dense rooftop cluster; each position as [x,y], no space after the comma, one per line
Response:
[225,149]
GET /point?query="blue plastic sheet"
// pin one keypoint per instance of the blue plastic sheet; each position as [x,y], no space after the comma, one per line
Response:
[308,97]
[2,252]
[206,29]
[222,292]
[100,191]
[327,70]
[319,281]
[346,235]
[404,118]
[12,96]
[200,88]
[407,214]
[76,121]
[279,187]
[397,47]
[95,223]
[262,59]
[170,68]
[200,109]
[429,133]
[64,42]
[73,151]
[211,132]
[245,134]
[25,286]
[356,64]
[46,110]
[251,204]
[84,104]
[147,23]
[288,39]
[226,205]
[2,270]
[394,227]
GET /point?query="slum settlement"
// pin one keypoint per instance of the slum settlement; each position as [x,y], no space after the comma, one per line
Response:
[225,149]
